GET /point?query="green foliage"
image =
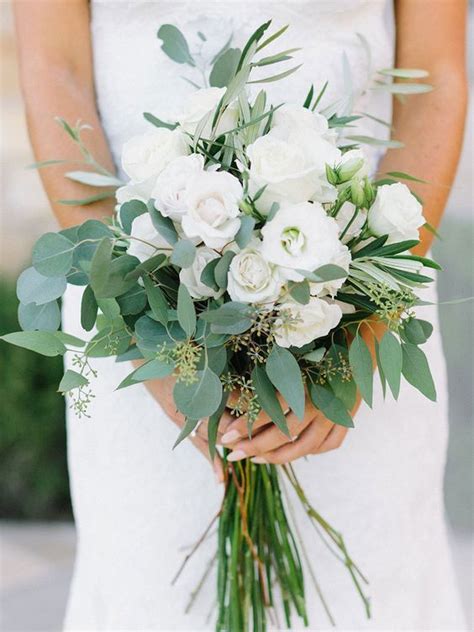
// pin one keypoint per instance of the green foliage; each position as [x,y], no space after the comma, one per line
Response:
[267,398]
[390,359]
[33,287]
[224,68]
[361,365]
[201,398]
[186,311]
[32,438]
[175,44]
[43,342]
[129,211]
[70,380]
[416,370]
[183,253]
[285,375]
[46,317]
[331,406]
[52,255]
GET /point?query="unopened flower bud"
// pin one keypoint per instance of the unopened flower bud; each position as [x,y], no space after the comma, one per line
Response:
[331,175]
[369,192]
[348,169]
[357,193]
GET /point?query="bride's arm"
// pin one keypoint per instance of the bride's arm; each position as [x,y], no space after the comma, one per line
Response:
[431,35]
[56,73]
[54,45]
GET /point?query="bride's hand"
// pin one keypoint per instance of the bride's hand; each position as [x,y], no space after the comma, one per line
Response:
[162,392]
[313,434]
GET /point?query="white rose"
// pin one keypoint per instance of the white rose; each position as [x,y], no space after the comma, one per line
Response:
[292,116]
[135,191]
[191,277]
[345,215]
[300,237]
[396,213]
[146,156]
[300,324]
[291,164]
[342,259]
[203,103]
[170,187]
[143,229]
[212,202]
[251,279]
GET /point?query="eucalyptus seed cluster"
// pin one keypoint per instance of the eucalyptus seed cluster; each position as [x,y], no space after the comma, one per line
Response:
[247,401]
[257,339]
[82,396]
[391,304]
[185,357]
[331,367]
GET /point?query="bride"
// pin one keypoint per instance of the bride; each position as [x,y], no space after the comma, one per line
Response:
[135,502]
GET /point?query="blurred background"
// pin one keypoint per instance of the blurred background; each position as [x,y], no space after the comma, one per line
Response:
[36,531]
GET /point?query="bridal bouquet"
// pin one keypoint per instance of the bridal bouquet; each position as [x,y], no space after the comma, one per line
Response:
[248,247]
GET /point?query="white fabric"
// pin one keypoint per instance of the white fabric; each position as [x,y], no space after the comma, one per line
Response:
[137,503]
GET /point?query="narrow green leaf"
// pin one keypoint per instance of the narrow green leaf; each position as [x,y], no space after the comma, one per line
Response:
[42,342]
[70,380]
[88,200]
[156,299]
[186,311]
[383,381]
[101,261]
[154,120]
[88,309]
[285,375]
[93,179]
[213,424]
[267,398]
[416,370]
[151,370]
[391,360]
[361,364]
[187,429]
[331,407]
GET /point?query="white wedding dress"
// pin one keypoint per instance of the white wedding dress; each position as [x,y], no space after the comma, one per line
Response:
[137,503]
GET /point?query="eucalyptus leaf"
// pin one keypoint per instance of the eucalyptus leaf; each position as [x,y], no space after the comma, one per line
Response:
[46,317]
[390,354]
[315,356]
[156,299]
[154,120]
[300,292]
[323,274]
[331,406]
[133,301]
[189,425]
[416,370]
[245,232]
[201,398]
[285,375]
[33,287]
[224,68]
[207,275]
[129,211]
[42,342]
[186,311]
[70,380]
[417,331]
[175,44]
[266,395]
[184,253]
[164,225]
[52,255]
[222,268]
[151,370]
[361,365]
[383,380]
[89,309]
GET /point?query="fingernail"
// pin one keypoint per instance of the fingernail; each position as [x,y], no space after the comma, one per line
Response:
[237,455]
[259,460]
[230,437]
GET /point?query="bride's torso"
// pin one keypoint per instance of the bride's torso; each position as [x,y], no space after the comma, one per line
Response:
[133,75]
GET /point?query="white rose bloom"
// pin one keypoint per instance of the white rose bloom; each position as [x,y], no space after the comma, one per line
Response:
[292,116]
[301,324]
[135,191]
[300,237]
[203,103]
[342,259]
[251,279]
[142,228]
[191,277]
[291,164]
[146,156]
[212,201]
[344,216]
[170,187]
[395,212]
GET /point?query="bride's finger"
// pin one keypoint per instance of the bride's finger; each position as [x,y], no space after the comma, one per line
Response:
[333,440]
[309,440]
[238,428]
[270,438]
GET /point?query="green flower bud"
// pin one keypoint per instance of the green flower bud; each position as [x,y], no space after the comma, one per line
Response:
[369,192]
[357,193]
[348,170]
[331,175]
